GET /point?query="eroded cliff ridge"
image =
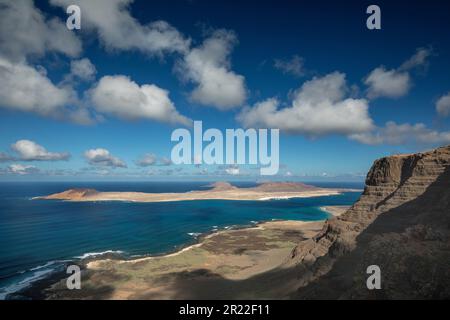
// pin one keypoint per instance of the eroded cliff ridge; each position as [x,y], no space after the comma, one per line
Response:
[401,224]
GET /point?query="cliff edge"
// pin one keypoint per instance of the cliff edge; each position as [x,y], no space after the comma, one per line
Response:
[401,224]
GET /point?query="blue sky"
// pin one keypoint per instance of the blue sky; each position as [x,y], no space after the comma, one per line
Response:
[93,103]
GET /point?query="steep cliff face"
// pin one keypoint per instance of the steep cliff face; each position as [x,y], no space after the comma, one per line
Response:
[401,223]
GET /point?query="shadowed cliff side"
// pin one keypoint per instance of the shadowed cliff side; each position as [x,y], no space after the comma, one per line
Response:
[401,223]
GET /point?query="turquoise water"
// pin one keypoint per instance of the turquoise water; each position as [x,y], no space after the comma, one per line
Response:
[39,236]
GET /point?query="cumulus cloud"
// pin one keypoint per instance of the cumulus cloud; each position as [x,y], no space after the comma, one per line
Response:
[22,169]
[165,161]
[443,105]
[294,66]
[117,29]
[151,159]
[399,134]
[148,159]
[28,89]
[418,60]
[83,69]
[124,98]
[233,170]
[24,88]
[25,31]
[395,83]
[208,66]
[31,151]
[102,157]
[387,83]
[319,107]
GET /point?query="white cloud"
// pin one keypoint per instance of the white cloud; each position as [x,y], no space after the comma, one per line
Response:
[387,83]
[443,105]
[22,169]
[233,170]
[395,83]
[31,151]
[83,69]
[151,159]
[399,134]
[148,159]
[208,66]
[124,98]
[24,88]
[25,31]
[294,66]
[418,60]
[165,161]
[319,107]
[102,157]
[117,29]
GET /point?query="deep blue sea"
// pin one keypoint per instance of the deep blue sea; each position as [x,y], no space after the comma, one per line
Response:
[39,236]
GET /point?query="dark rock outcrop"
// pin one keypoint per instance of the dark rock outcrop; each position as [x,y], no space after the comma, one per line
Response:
[401,223]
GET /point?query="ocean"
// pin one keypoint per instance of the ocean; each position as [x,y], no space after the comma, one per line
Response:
[39,237]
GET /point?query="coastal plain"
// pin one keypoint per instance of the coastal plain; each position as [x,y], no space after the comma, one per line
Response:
[222,265]
[217,191]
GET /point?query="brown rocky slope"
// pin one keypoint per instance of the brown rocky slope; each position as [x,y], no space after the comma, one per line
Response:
[401,223]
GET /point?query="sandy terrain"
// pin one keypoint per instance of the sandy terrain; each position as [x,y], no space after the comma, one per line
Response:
[335,210]
[196,195]
[222,265]
[219,191]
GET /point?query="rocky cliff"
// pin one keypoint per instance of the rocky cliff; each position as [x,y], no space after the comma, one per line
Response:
[401,224]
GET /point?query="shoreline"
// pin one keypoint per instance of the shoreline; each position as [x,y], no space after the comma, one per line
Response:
[219,191]
[334,211]
[158,198]
[45,288]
